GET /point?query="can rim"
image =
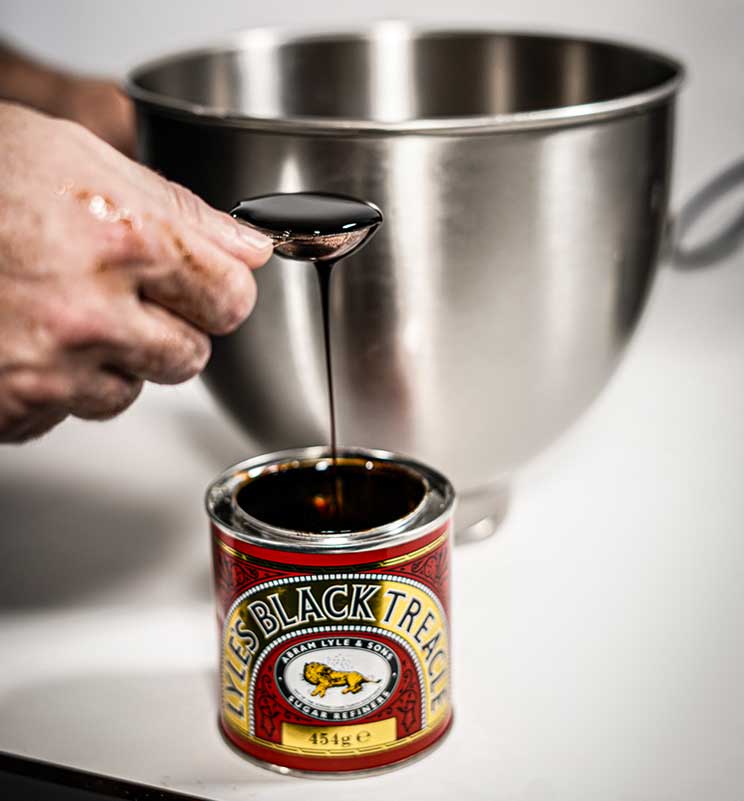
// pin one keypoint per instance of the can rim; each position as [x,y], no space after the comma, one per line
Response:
[429,515]
[269,529]
[553,117]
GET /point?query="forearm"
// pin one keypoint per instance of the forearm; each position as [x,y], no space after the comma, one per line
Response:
[24,80]
[95,103]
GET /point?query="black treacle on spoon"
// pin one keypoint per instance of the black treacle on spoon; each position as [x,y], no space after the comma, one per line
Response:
[321,228]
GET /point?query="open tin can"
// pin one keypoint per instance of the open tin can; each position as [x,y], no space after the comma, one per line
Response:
[334,647]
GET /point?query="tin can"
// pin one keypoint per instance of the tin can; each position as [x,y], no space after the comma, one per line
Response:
[334,648]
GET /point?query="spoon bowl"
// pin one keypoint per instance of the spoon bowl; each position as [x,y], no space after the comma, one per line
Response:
[311,226]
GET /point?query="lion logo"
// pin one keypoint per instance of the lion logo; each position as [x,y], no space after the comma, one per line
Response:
[324,677]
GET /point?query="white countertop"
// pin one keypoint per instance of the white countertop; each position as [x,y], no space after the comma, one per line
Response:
[599,637]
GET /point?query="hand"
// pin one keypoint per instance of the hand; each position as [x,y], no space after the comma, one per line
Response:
[109,275]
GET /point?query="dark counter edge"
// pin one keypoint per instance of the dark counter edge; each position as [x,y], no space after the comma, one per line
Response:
[25,779]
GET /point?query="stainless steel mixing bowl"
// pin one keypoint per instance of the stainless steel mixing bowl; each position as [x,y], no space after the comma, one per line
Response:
[524,181]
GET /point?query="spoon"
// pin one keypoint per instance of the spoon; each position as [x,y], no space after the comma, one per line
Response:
[311,226]
[321,228]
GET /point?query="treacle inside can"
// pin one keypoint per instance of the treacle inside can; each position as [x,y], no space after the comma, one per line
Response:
[321,496]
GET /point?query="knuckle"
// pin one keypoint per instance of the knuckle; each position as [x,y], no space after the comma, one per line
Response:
[120,397]
[196,359]
[122,243]
[239,292]
[35,389]
[110,396]
[185,201]
[32,402]
[73,326]
[180,355]
[31,428]
[202,352]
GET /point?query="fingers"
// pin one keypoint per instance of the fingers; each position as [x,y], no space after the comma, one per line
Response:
[31,402]
[93,395]
[181,266]
[158,346]
[34,425]
[39,400]
[113,326]
[247,245]
[104,394]
[203,284]
[151,197]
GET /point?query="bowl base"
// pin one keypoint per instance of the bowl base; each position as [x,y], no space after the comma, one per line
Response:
[480,512]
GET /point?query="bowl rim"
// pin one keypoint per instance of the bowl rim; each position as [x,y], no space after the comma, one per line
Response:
[555,117]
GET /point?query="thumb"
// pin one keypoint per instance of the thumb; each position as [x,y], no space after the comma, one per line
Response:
[246,244]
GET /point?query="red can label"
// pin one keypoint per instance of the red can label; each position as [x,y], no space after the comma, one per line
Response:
[334,662]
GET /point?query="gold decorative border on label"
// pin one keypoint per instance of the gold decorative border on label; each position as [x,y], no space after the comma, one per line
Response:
[396,560]
[289,749]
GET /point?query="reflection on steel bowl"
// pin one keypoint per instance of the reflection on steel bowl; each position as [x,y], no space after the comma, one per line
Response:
[524,181]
